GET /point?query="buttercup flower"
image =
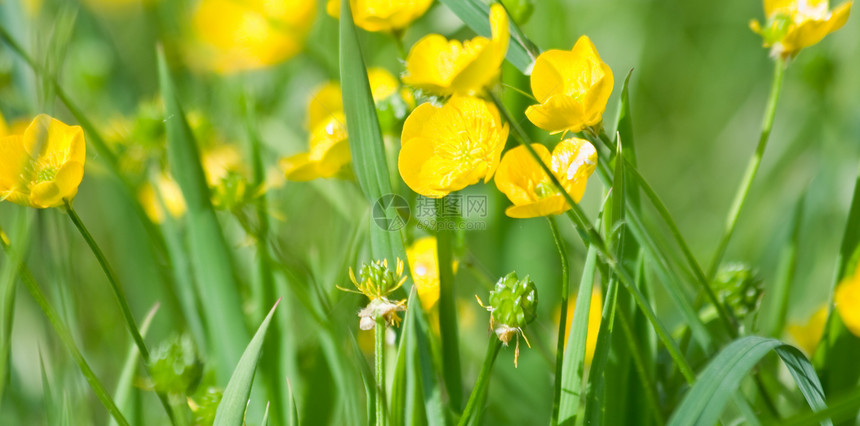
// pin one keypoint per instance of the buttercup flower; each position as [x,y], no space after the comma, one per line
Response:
[164,191]
[445,67]
[572,88]
[329,142]
[424,265]
[43,166]
[242,35]
[595,315]
[376,281]
[794,24]
[808,335]
[448,148]
[522,179]
[847,301]
[382,15]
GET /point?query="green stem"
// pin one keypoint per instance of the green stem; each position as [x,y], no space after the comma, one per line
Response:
[66,337]
[483,379]
[447,309]
[752,167]
[591,237]
[379,358]
[119,294]
[562,323]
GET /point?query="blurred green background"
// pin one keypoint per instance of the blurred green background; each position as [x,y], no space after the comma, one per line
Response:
[698,89]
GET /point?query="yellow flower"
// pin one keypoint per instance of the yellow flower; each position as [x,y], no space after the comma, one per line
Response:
[445,67]
[595,312]
[328,99]
[329,152]
[794,24]
[249,34]
[808,335]
[526,184]
[572,88]
[847,301]
[329,143]
[448,148]
[164,192]
[424,266]
[43,166]
[382,15]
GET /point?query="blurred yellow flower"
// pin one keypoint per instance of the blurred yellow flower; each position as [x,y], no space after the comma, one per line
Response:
[329,152]
[329,143]
[522,179]
[43,166]
[241,35]
[847,301]
[572,88]
[445,67]
[595,312]
[808,335]
[424,266]
[163,192]
[794,24]
[448,148]
[382,15]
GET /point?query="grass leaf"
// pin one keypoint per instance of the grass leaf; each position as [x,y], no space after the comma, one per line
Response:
[720,379]
[231,410]
[211,260]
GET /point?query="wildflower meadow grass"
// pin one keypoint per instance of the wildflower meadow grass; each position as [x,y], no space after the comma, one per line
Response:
[418,212]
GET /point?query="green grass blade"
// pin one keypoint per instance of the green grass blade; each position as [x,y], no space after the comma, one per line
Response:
[720,379]
[294,408]
[365,138]
[836,355]
[596,397]
[231,410]
[841,409]
[125,384]
[8,275]
[776,300]
[476,14]
[210,257]
[65,335]
[573,370]
[451,368]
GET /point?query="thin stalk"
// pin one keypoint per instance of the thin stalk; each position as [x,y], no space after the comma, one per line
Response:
[379,358]
[562,324]
[639,364]
[447,309]
[120,296]
[483,379]
[66,337]
[752,167]
[591,237]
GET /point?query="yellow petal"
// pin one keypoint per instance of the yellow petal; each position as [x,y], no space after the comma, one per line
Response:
[423,265]
[548,74]
[45,194]
[519,173]
[558,114]
[595,316]
[13,161]
[485,67]
[549,206]
[382,83]
[68,178]
[772,7]
[414,154]
[4,128]
[382,15]
[299,168]
[327,100]
[847,301]
[434,62]
[47,136]
[414,124]
[808,335]
[573,161]
[334,159]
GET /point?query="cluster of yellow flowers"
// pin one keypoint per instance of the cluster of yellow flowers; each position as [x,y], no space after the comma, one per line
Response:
[795,24]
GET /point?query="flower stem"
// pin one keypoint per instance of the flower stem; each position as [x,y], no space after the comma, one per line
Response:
[752,167]
[379,358]
[120,296]
[66,337]
[562,324]
[483,379]
[447,308]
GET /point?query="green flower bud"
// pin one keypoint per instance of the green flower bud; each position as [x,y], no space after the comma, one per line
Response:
[175,368]
[740,288]
[514,301]
[204,406]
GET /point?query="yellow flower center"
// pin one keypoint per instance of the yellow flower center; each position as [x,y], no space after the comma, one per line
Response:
[545,189]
